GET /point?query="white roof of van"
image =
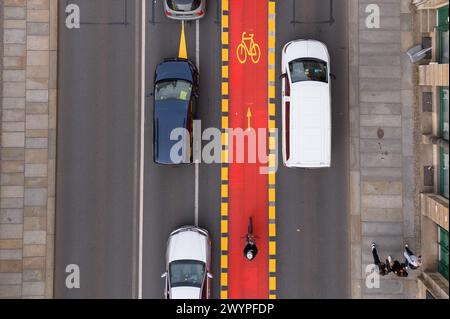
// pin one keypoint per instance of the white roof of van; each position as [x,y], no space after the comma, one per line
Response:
[310,125]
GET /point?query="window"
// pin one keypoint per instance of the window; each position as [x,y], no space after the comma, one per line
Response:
[443,167]
[186,273]
[173,89]
[442,29]
[184,5]
[308,70]
[443,252]
[444,112]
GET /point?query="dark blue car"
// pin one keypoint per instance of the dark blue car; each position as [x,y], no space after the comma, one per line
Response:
[175,98]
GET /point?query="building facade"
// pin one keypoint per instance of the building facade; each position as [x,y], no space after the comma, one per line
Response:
[432,27]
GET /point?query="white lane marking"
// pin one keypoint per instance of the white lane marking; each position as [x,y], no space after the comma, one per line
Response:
[197,44]
[197,169]
[197,164]
[142,159]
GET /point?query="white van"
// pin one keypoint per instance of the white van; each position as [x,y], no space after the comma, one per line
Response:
[306,104]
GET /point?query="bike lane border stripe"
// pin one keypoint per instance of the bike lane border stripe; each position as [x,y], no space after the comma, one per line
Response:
[272,151]
[225,165]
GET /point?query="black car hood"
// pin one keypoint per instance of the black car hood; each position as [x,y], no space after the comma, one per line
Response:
[174,70]
[168,115]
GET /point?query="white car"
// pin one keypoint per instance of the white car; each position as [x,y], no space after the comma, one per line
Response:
[306,104]
[188,262]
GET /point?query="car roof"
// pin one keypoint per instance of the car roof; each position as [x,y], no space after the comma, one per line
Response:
[310,124]
[174,69]
[168,115]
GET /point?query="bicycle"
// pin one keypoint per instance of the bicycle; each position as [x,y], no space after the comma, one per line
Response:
[247,48]
[250,250]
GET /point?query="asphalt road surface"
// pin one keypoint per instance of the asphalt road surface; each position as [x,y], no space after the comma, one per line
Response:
[312,205]
[97,150]
[98,156]
[169,192]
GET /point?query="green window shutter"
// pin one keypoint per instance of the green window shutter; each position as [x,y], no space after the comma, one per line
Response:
[443,17]
[443,252]
[443,35]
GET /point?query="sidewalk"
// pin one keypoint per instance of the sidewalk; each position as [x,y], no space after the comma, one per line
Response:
[28,148]
[382,162]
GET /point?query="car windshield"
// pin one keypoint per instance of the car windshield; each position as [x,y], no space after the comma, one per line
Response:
[186,273]
[173,89]
[308,70]
[183,5]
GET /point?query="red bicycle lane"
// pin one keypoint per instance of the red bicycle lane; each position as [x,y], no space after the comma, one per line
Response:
[248,188]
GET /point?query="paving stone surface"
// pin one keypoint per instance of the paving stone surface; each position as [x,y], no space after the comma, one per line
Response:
[382,152]
[28,45]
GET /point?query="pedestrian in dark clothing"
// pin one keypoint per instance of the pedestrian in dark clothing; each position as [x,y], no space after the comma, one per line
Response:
[412,261]
[382,267]
[397,268]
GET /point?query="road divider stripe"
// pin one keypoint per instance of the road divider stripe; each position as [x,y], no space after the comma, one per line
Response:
[272,151]
[224,207]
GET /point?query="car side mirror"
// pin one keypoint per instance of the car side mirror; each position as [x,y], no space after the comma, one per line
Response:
[332,76]
[210,276]
[164,275]
[282,76]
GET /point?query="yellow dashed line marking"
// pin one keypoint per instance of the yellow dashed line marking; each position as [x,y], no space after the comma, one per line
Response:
[224,173]
[272,126]
[272,75]
[224,139]
[225,21]
[224,37]
[224,261]
[271,25]
[271,7]
[224,122]
[224,191]
[271,195]
[272,161]
[225,71]
[224,156]
[272,143]
[271,41]
[272,230]
[272,58]
[224,88]
[272,179]
[224,243]
[224,278]
[224,6]
[224,209]
[225,55]
[272,248]
[272,92]
[272,283]
[272,265]
[225,105]
[224,226]
[272,212]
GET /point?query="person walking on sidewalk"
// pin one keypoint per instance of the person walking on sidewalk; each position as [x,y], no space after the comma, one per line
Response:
[382,267]
[412,261]
[397,268]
